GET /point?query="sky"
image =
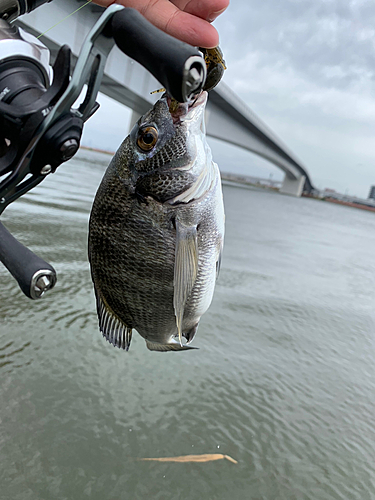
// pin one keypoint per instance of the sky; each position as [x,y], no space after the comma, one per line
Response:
[307,69]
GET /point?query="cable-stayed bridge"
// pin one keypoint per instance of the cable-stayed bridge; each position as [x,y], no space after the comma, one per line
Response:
[227,118]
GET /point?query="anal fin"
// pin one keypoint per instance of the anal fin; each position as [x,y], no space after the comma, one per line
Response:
[112,328]
[185,269]
[190,334]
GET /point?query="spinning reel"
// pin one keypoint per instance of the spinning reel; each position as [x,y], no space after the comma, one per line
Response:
[40,129]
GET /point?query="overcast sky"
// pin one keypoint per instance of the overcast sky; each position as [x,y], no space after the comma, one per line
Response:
[307,70]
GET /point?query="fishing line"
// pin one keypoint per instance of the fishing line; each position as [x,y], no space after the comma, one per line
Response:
[79,8]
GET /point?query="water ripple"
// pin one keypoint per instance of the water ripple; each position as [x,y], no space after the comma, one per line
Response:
[283,380]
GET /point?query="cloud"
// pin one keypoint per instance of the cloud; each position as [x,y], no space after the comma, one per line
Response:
[306,68]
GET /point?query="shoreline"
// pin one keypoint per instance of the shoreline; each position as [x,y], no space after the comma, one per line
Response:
[340,202]
[97,150]
[240,179]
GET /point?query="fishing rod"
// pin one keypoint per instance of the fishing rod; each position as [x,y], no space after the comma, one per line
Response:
[40,130]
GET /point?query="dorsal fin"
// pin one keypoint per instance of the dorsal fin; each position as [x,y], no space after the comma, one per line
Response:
[112,328]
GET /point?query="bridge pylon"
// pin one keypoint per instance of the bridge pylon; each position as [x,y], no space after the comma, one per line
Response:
[293,186]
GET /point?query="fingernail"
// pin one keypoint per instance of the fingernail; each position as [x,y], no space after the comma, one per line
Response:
[214,15]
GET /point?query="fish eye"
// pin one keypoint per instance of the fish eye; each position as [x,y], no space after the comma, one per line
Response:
[147,138]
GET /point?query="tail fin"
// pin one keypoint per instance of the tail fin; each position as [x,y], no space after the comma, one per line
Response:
[174,346]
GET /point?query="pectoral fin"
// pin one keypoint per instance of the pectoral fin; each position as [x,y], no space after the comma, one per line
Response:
[185,269]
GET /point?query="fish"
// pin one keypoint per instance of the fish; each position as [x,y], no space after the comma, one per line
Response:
[156,230]
[192,458]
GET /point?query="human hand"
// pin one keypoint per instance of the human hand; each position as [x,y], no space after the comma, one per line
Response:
[187,20]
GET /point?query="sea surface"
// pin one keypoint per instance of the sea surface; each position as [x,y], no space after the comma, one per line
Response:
[283,382]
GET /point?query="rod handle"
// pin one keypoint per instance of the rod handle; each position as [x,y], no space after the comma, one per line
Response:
[33,274]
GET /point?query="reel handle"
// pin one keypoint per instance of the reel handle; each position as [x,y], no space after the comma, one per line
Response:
[179,67]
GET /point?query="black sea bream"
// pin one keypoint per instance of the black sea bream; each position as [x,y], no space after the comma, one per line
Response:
[156,230]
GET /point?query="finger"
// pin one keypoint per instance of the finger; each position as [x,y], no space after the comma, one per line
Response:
[190,29]
[168,17]
[208,10]
[182,25]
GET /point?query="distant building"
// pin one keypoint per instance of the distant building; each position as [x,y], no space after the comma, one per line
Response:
[372,193]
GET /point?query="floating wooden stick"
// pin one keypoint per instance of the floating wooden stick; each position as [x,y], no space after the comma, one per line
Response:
[193,458]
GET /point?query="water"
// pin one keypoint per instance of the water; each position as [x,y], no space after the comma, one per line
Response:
[284,380]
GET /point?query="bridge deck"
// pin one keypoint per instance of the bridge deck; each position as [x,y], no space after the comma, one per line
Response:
[228,118]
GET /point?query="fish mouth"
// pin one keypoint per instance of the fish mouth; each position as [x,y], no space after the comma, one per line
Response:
[180,110]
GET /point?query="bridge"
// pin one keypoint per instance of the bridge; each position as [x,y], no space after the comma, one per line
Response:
[227,117]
